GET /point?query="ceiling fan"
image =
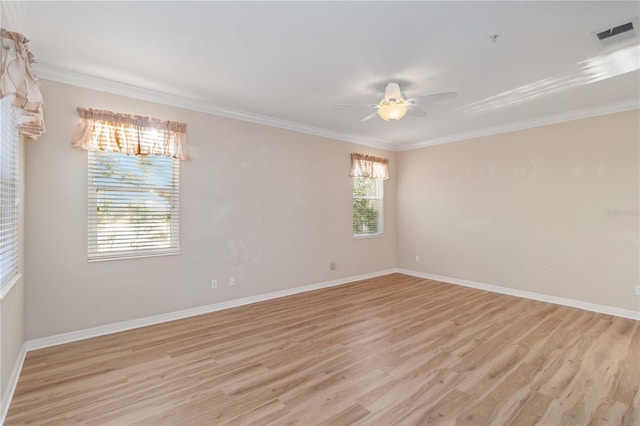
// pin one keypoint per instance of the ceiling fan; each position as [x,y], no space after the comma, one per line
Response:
[394,104]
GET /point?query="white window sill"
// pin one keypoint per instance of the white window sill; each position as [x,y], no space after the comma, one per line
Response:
[132,256]
[5,289]
[367,236]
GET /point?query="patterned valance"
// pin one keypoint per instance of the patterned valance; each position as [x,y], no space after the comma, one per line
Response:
[369,167]
[99,130]
[18,79]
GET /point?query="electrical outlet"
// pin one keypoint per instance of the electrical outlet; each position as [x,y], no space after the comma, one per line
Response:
[638,290]
[214,283]
[417,258]
[232,280]
[332,266]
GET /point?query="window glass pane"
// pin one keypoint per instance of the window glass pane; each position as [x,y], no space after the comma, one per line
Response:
[367,206]
[114,168]
[365,216]
[130,220]
[364,187]
[8,192]
[133,205]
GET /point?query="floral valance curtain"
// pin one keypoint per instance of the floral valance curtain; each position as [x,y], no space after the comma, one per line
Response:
[99,130]
[369,166]
[18,79]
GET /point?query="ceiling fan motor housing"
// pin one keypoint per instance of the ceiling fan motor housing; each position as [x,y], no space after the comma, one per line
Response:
[392,91]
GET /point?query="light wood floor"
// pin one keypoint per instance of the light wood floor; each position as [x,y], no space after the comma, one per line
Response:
[387,351]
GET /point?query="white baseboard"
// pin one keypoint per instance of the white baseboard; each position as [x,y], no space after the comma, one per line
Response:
[13,382]
[603,309]
[172,316]
[88,333]
[102,330]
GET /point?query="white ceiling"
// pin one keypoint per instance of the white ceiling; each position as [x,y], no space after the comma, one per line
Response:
[291,62]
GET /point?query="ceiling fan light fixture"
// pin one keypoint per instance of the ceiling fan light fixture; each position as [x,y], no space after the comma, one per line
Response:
[391,110]
[394,105]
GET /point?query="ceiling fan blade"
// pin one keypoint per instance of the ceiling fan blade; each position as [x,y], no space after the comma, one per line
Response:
[346,106]
[416,112]
[436,97]
[370,116]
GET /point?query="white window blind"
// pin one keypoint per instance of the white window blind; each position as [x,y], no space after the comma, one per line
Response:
[8,193]
[133,205]
[367,206]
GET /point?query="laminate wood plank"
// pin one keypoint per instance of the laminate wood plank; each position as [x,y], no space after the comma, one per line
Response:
[531,410]
[271,410]
[347,416]
[385,351]
[445,410]
[420,393]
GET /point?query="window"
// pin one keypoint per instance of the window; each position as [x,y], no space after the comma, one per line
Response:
[367,206]
[368,174]
[134,181]
[8,193]
[133,205]
[20,113]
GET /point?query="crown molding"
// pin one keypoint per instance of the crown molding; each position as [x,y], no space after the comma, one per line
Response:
[528,124]
[53,73]
[61,75]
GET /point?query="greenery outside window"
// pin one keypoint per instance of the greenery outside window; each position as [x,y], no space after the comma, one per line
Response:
[367,206]
[368,174]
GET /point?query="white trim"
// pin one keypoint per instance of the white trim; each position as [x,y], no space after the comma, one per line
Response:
[587,306]
[367,236]
[130,256]
[88,333]
[13,382]
[172,316]
[102,330]
[6,288]
[528,124]
[53,73]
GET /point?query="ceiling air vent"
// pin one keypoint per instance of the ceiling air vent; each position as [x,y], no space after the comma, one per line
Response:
[619,33]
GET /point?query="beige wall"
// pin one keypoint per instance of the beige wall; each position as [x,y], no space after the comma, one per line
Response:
[551,210]
[12,306]
[269,206]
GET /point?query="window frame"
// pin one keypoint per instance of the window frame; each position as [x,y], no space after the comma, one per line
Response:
[380,207]
[10,195]
[92,213]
